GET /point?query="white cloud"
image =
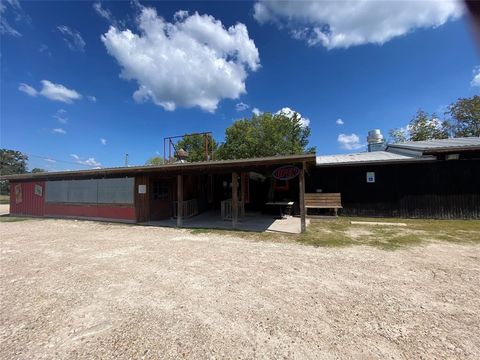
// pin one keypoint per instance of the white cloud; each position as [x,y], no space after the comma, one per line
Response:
[339,122]
[349,142]
[92,98]
[52,91]
[72,38]
[59,131]
[105,13]
[60,116]
[103,141]
[27,89]
[193,61]
[257,111]
[15,11]
[50,160]
[290,113]
[241,106]
[58,92]
[341,24]
[88,162]
[476,77]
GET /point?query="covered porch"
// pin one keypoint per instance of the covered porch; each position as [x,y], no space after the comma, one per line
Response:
[250,194]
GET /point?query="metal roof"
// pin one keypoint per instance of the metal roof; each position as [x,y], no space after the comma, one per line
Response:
[443,145]
[374,157]
[220,165]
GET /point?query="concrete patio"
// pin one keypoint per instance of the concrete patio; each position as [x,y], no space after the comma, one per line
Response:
[253,221]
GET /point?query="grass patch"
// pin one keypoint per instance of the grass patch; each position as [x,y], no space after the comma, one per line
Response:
[12,219]
[340,232]
[201,231]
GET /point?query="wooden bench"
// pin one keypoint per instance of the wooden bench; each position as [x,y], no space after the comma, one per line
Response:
[323,201]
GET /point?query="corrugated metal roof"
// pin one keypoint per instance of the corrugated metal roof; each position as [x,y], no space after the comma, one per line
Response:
[440,145]
[367,158]
[171,168]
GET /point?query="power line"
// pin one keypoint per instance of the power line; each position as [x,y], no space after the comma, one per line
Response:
[61,161]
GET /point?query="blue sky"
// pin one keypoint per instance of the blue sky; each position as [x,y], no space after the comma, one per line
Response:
[62,91]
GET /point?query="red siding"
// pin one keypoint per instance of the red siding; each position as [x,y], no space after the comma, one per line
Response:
[91,211]
[31,204]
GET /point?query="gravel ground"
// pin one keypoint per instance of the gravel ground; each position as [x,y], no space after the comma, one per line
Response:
[73,289]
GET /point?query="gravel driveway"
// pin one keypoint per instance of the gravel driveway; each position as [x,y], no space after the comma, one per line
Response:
[74,289]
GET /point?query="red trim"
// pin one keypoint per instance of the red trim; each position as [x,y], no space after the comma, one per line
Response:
[91,211]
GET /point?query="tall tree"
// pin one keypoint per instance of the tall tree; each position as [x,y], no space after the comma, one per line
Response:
[194,145]
[11,162]
[422,127]
[37,170]
[265,135]
[156,160]
[465,117]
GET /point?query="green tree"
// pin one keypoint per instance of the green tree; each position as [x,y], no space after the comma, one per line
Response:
[194,145]
[422,127]
[156,161]
[11,162]
[465,117]
[265,135]
[38,170]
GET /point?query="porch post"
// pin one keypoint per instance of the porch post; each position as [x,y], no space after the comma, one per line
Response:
[179,200]
[234,199]
[301,183]
[242,193]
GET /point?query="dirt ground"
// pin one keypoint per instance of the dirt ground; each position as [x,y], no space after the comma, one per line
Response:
[78,289]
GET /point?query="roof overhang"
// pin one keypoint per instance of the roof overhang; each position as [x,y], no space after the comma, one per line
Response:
[221,166]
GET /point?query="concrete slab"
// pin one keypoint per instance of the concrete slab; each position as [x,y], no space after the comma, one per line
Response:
[251,222]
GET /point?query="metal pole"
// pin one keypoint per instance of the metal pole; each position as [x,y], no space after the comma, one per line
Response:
[126,160]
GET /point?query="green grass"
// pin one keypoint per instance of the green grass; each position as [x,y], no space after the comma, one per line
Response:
[340,232]
[13,219]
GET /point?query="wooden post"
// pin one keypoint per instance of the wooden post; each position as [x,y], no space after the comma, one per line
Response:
[179,200]
[242,194]
[234,200]
[301,182]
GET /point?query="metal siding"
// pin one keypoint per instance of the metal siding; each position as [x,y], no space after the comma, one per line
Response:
[31,204]
[56,191]
[83,191]
[115,191]
[91,211]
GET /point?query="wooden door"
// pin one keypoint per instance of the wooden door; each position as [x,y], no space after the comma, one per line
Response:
[161,199]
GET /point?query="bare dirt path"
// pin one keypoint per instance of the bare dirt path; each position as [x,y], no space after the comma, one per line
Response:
[73,289]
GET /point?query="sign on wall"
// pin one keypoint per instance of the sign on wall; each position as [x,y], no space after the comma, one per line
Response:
[38,190]
[142,189]
[18,194]
[370,177]
[286,172]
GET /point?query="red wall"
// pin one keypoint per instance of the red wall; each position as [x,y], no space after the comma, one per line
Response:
[91,211]
[35,205]
[31,203]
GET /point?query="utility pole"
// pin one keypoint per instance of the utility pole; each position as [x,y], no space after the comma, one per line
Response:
[126,160]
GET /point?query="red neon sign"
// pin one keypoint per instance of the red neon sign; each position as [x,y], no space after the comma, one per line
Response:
[286,172]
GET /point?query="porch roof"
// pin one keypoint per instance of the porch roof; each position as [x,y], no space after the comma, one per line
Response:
[174,168]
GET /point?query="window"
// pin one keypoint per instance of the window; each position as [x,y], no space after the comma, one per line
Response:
[160,190]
